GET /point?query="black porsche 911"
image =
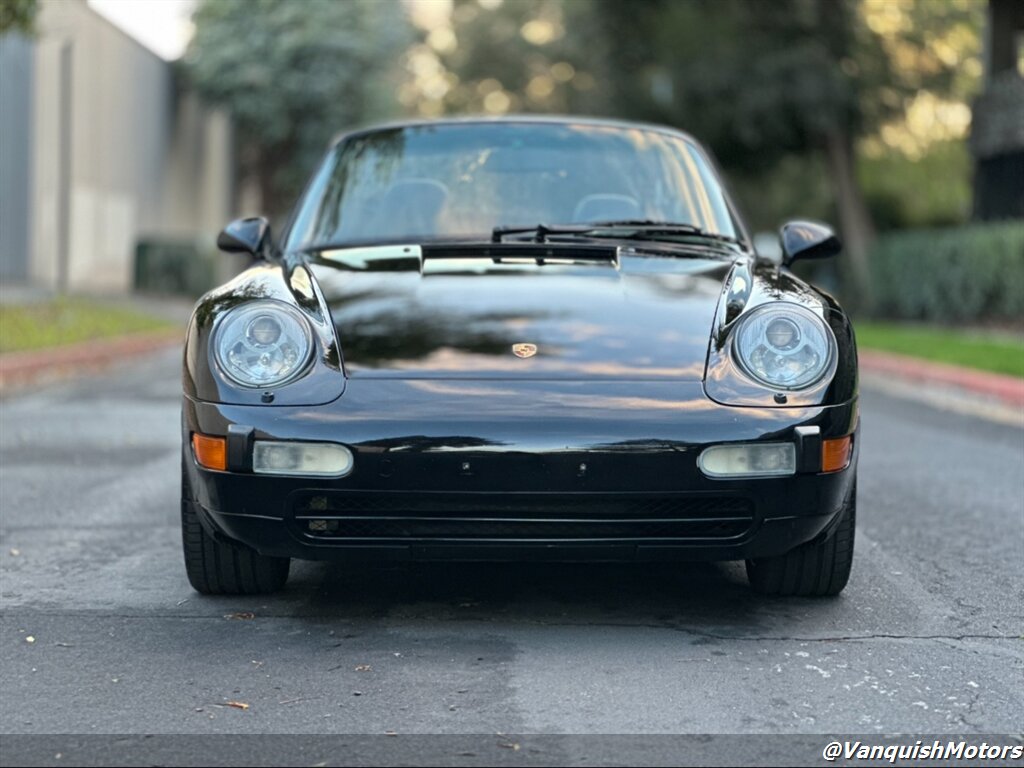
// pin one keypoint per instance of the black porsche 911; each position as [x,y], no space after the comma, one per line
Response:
[518,339]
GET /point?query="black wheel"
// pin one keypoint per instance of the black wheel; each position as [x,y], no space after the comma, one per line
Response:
[815,569]
[217,567]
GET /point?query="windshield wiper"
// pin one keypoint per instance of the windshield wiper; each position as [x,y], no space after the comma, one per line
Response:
[540,231]
[627,229]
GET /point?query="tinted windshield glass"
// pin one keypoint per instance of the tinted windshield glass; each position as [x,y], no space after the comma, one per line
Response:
[462,180]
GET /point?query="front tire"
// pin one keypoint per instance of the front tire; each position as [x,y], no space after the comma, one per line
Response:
[814,569]
[216,567]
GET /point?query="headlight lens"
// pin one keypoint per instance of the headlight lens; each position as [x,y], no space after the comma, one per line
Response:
[263,343]
[784,346]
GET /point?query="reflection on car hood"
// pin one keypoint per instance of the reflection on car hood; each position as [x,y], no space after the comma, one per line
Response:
[637,316]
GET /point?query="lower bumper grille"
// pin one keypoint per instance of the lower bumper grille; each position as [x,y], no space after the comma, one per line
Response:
[511,517]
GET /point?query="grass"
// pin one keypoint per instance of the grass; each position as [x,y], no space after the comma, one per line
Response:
[996,352]
[67,321]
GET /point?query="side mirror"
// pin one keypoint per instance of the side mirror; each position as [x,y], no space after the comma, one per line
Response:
[250,236]
[807,240]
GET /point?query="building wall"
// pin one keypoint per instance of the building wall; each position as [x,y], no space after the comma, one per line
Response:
[997,119]
[121,153]
[16,69]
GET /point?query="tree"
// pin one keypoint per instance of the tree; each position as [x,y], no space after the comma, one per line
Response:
[523,55]
[17,15]
[767,85]
[763,81]
[293,75]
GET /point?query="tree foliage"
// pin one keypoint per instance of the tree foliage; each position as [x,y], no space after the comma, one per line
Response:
[761,82]
[526,56]
[18,15]
[293,74]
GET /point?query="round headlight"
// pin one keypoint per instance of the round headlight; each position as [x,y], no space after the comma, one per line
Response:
[784,346]
[263,343]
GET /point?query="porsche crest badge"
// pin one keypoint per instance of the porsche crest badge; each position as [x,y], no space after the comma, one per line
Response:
[524,350]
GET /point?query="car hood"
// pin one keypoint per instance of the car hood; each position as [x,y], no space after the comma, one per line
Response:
[402,312]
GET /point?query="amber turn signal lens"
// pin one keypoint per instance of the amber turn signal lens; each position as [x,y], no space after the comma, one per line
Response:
[835,454]
[211,452]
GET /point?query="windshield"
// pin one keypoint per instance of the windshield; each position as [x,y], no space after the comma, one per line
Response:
[462,180]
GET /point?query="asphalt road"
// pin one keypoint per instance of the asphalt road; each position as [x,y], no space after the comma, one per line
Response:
[101,634]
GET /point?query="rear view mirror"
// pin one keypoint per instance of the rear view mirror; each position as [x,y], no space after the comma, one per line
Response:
[250,236]
[807,240]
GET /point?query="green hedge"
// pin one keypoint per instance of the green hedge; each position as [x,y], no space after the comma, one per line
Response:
[966,274]
[175,267]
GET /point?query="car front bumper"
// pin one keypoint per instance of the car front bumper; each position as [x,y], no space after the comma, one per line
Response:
[477,470]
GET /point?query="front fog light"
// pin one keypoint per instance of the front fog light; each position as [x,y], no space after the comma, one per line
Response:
[285,458]
[748,460]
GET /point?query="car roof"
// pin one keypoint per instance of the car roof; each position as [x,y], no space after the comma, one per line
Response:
[515,118]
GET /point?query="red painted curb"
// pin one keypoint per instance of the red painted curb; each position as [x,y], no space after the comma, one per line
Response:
[18,368]
[1007,389]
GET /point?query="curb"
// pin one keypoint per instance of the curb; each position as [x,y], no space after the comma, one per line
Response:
[1007,390]
[19,369]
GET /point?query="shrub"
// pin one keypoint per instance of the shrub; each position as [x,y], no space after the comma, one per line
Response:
[176,267]
[964,274]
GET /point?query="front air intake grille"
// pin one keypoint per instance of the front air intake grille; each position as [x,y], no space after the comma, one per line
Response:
[575,517]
